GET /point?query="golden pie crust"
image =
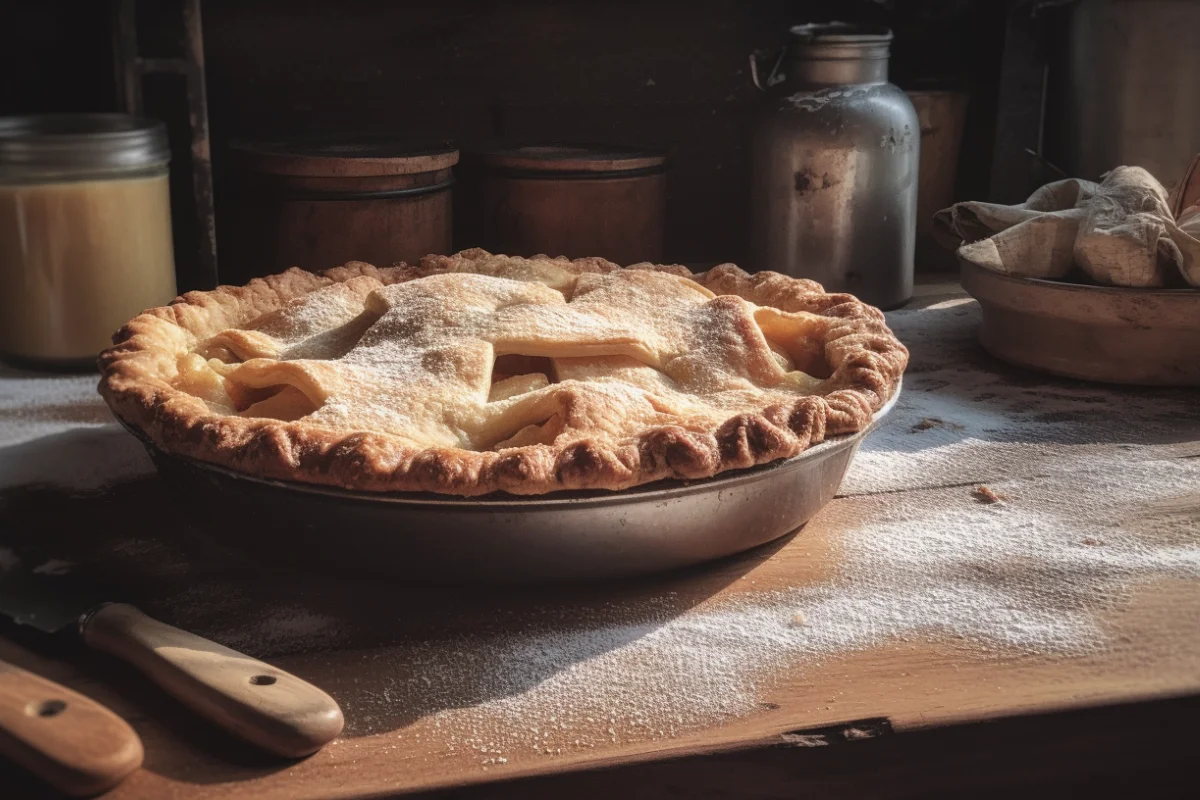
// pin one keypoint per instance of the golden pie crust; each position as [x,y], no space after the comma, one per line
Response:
[478,373]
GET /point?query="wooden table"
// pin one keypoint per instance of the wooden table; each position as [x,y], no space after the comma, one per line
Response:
[914,639]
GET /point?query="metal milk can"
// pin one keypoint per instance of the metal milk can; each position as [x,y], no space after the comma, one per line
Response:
[833,186]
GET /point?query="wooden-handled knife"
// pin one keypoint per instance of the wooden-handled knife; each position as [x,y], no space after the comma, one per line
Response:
[262,704]
[68,740]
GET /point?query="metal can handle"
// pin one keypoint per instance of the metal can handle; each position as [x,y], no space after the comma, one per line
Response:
[771,78]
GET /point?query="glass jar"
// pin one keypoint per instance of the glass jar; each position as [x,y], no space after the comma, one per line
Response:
[85,233]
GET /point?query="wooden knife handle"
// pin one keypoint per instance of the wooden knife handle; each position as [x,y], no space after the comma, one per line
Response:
[70,741]
[262,704]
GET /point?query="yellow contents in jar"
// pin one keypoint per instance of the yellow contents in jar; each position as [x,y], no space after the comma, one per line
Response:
[78,260]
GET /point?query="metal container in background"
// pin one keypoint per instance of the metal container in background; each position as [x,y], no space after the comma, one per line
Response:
[317,204]
[575,201]
[1129,92]
[834,168]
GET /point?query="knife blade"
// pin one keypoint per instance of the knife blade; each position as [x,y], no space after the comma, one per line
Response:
[68,740]
[259,703]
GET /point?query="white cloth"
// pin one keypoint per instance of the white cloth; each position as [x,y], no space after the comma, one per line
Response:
[1119,232]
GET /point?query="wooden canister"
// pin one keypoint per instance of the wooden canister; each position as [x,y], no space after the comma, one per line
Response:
[575,201]
[942,115]
[317,205]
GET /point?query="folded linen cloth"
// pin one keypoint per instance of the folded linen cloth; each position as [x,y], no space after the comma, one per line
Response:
[1120,232]
[1187,236]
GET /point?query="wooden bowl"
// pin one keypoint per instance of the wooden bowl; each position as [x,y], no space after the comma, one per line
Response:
[1148,337]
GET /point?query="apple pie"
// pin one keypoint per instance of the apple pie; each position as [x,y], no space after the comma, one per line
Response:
[479,373]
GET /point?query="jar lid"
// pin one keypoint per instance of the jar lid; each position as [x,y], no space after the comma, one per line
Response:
[85,143]
[839,33]
[336,158]
[573,158]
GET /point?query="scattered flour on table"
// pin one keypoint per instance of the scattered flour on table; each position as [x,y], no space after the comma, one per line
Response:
[264,626]
[1029,575]
[1025,577]
[167,559]
[965,417]
[35,405]
[56,430]
[271,627]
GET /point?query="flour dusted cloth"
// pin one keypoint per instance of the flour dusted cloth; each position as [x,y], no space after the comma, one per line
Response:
[1120,232]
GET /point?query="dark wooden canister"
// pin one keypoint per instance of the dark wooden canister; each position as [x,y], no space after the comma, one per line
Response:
[316,205]
[576,201]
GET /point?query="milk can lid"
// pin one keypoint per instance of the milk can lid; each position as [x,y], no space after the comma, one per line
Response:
[839,33]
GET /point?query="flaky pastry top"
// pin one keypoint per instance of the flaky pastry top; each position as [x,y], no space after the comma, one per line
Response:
[478,373]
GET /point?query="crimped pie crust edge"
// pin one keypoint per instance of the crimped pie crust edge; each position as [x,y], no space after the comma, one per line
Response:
[866,357]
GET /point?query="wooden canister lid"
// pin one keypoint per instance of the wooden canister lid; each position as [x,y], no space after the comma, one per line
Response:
[559,158]
[345,158]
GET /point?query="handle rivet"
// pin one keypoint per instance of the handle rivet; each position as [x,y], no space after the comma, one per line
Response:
[46,708]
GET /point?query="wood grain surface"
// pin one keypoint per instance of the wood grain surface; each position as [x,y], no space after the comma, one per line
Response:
[442,687]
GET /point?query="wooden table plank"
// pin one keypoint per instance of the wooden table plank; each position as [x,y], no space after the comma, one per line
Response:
[411,734]
[1138,750]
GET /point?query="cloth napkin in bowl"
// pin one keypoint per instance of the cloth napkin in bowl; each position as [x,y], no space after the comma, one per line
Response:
[1120,232]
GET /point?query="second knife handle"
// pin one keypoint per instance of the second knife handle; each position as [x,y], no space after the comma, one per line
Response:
[67,739]
[260,703]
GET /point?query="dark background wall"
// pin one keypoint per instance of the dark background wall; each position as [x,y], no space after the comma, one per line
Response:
[658,72]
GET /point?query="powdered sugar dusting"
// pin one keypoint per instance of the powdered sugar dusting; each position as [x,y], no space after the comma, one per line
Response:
[34,405]
[285,623]
[993,423]
[1030,577]
[56,430]
[422,368]
[263,624]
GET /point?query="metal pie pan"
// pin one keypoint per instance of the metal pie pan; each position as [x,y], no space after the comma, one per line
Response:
[1148,337]
[564,537]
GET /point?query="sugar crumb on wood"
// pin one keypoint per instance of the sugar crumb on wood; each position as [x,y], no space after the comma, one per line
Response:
[935,422]
[986,494]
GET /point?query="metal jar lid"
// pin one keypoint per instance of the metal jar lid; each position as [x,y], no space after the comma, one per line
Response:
[839,40]
[81,144]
